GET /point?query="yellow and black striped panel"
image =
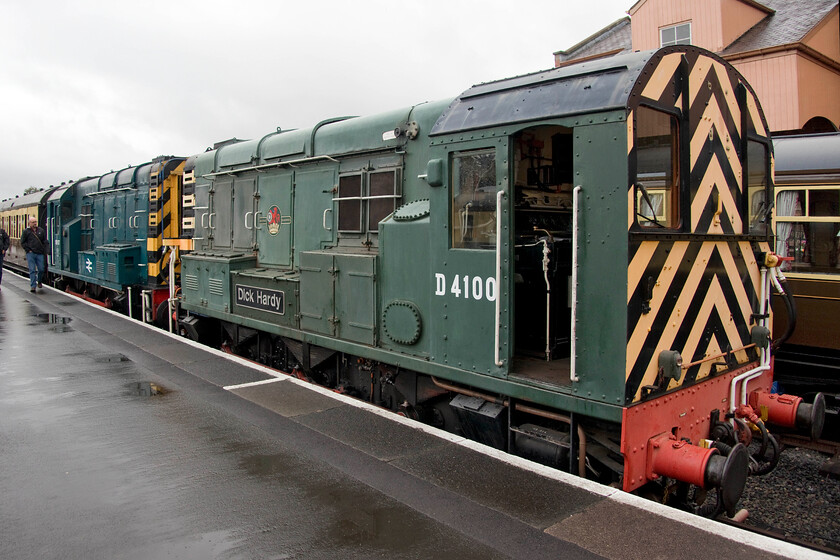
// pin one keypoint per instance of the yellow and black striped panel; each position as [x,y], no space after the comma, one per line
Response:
[696,297]
[164,216]
[695,290]
[188,201]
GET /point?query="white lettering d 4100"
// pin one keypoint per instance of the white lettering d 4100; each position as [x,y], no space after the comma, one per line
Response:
[475,287]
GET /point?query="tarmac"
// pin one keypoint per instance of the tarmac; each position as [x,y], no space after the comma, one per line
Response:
[498,502]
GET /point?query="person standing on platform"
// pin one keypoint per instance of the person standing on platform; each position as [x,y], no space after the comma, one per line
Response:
[4,246]
[34,242]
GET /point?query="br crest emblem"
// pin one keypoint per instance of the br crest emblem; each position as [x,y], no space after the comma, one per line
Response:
[274,219]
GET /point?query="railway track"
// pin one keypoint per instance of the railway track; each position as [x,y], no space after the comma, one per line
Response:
[797,501]
[781,536]
[831,467]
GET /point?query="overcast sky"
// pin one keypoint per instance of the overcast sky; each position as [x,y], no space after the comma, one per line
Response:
[88,86]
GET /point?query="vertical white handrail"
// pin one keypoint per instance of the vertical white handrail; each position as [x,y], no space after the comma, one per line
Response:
[764,355]
[575,242]
[171,302]
[499,196]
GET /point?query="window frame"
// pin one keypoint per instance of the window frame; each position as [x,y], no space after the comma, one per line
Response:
[676,41]
[805,219]
[455,184]
[672,205]
[364,198]
[769,194]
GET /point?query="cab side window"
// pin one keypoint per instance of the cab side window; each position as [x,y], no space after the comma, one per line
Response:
[474,187]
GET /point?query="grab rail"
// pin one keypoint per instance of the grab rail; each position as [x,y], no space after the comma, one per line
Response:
[575,246]
[499,196]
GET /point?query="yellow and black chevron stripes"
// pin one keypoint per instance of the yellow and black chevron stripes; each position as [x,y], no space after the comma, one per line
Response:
[661,85]
[715,106]
[188,202]
[164,216]
[696,297]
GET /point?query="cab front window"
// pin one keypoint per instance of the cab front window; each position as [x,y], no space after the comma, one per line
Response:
[657,169]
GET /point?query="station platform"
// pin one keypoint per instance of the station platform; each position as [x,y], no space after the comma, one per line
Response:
[496,501]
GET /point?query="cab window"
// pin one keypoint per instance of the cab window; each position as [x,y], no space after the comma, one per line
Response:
[757,201]
[657,191]
[474,199]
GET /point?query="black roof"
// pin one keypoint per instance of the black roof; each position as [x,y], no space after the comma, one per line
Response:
[595,85]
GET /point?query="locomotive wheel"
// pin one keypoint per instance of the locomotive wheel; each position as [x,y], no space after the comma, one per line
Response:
[162,315]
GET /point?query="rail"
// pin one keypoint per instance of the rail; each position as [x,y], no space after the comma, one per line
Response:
[575,247]
[498,317]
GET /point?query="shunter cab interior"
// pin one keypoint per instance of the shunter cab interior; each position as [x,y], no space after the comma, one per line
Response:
[543,184]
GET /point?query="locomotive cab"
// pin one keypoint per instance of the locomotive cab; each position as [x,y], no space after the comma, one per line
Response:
[542,272]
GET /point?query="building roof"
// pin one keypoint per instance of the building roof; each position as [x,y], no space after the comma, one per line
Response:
[791,22]
[613,39]
[787,22]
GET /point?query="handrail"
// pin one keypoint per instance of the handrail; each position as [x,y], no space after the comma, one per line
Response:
[324,219]
[575,246]
[269,165]
[499,196]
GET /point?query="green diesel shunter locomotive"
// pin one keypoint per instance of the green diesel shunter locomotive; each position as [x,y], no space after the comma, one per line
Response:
[571,265]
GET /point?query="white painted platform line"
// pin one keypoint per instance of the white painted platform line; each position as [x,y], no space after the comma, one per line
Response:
[252,384]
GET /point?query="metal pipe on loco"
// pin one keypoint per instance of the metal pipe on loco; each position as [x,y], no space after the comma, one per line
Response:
[528,410]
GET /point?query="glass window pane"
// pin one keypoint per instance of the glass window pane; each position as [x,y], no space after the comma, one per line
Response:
[668,36]
[657,178]
[474,200]
[383,183]
[824,202]
[757,207]
[789,203]
[814,246]
[350,211]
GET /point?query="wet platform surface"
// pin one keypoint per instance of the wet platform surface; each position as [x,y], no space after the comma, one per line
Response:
[120,441]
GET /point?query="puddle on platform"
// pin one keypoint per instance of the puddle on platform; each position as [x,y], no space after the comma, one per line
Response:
[53,319]
[59,321]
[105,358]
[146,389]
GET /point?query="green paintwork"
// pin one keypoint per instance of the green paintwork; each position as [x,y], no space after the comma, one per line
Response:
[317,294]
[113,265]
[349,287]
[205,279]
[275,240]
[269,279]
[602,278]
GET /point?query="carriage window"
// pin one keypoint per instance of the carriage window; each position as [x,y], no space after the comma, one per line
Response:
[758,210]
[657,169]
[808,228]
[474,200]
